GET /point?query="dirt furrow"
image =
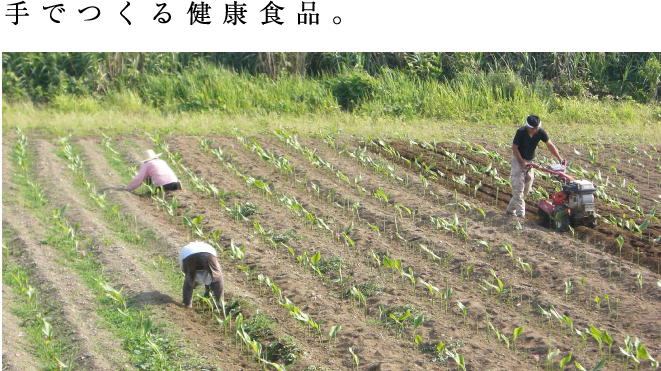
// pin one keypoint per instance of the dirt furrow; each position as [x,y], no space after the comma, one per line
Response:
[551,270]
[65,287]
[314,301]
[317,304]
[15,354]
[254,166]
[606,234]
[120,262]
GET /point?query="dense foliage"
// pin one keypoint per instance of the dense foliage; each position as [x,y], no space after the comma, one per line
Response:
[315,81]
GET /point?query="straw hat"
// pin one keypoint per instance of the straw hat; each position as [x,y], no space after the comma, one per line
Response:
[149,155]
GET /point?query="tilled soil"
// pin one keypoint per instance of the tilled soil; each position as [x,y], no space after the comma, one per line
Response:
[554,260]
[604,236]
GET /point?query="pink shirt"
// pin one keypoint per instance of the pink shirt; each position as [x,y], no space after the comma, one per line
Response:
[159,172]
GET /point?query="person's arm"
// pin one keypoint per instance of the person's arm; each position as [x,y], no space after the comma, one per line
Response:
[142,175]
[554,151]
[517,154]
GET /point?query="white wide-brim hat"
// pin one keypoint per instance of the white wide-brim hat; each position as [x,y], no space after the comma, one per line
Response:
[149,155]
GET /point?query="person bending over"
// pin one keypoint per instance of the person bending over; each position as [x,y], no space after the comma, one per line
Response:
[156,172]
[199,262]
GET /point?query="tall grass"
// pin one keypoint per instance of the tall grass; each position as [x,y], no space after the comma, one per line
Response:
[207,98]
[212,88]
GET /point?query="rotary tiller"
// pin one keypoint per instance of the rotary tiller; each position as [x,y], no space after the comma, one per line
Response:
[573,205]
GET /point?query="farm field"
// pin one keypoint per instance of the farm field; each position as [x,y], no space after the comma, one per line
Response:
[338,253]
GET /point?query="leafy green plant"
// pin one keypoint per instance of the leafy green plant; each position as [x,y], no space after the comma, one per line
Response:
[333,334]
[463,310]
[355,359]
[517,332]
[565,361]
[598,367]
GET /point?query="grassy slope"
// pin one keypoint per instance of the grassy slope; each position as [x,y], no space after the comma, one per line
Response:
[114,122]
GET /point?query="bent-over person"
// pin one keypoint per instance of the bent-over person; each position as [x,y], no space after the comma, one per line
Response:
[199,262]
[156,171]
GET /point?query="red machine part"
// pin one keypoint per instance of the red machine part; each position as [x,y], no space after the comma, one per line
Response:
[547,206]
[559,198]
[560,174]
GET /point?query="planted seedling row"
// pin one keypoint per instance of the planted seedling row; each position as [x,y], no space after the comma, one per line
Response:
[266,156]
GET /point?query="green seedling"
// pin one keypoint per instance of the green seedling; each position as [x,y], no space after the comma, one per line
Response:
[608,340]
[549,358]
[463,310]
[568,288]
[333,334]
[508,247]
[524,266]
[458,359]
[468,271]
[488,246]
[115,295]
[499,289]
[565,361]
[417,321]
[596,368]
[517,332]
[569,323]
[46,329]
[399,321]
[356,360]
[432,289]
[249,272]
[597,335]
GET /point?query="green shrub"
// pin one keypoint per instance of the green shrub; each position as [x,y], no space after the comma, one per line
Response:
[350,87]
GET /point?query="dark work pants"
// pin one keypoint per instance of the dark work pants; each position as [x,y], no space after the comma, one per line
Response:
[209,263]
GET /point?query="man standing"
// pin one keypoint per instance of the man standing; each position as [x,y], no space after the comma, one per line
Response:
[523,148]
[200,265]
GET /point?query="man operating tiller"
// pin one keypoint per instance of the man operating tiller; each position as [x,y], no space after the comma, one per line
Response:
[523,148]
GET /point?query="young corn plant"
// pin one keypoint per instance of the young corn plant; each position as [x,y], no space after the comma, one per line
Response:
[549,359]
[597,335]
[399,321]
[508,248]
[565,361]
[463,309]
[488,247]
[333,334]
[355,359]
[598,367]
[517,332]
[499,289]
[417,321]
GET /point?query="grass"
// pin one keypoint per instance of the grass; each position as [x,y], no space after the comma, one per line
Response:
[605,126]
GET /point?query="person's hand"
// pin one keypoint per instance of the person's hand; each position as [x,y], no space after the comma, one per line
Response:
[563,162]
[524,163]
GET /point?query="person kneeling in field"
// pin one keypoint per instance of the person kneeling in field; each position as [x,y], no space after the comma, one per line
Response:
[199,262]
[155,171]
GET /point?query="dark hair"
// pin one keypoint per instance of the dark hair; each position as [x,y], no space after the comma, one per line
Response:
[533,120]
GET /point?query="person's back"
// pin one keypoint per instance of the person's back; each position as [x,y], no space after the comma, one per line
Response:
[157,171]
[198,260]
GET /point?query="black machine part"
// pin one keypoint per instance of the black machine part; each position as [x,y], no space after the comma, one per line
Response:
[561,220]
